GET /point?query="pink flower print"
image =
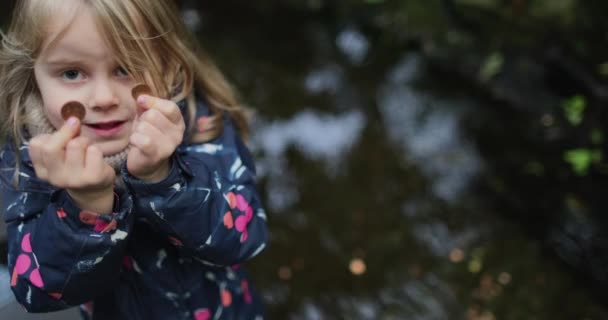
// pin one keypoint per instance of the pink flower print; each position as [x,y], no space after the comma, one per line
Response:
[61,214]
[231,200]
[14,278]
[202,314]
[241,202]
[36,279]
[226,298]
[104,226]
[241,223]
[23,264]
[246,293]
[249,213]
[228,220]
[26,245]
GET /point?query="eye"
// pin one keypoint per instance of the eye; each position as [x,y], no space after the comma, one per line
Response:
[71,75]
[122,72]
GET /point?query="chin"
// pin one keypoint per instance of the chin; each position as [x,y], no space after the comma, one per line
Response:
[110,148]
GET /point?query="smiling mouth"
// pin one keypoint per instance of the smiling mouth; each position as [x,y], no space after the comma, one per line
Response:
[105,125]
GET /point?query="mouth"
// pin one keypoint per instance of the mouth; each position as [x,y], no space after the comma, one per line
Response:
[106,129]
[105,125]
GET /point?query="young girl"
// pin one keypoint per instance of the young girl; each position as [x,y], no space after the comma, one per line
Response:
[145,207]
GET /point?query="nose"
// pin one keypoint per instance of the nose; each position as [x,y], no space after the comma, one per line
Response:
[103,95]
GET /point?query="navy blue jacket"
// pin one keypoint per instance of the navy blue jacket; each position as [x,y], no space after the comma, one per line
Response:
[169,250]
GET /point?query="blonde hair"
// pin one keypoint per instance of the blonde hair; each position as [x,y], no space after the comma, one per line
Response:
[148,38]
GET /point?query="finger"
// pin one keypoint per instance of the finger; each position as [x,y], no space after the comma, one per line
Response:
[93,158]
[204,124]
[162,141]
[142,142]
[75,153]
[167,107]
[136,160]
[94,162]
[157,119]
[35,148]
[35,152]
[61,137]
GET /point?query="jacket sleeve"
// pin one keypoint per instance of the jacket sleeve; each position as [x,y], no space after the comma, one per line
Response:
[208,206]
[58,255]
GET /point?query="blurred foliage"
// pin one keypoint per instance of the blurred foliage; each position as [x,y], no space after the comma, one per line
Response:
[491,66]
[574,109]
[581,159]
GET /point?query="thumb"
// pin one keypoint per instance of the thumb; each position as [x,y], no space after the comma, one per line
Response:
[69,130]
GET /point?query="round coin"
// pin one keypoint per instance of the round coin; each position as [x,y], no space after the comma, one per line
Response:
[139,90]
[73,109]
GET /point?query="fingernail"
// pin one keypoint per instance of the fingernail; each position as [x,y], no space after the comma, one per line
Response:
[72,121]
[201,119]
[201,124]
[141,100]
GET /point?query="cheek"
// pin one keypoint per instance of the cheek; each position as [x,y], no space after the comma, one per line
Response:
[51,98]
[52,108]
[133,111]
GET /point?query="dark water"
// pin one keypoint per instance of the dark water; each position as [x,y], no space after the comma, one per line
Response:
[393,189]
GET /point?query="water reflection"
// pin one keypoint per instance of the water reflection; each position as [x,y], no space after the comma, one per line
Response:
[427,128]
[399,232]
[320,137]
[192,19]
[422,299]
[441,241]
[324,80]
[353,44]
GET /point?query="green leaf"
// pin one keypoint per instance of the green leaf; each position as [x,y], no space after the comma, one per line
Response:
[574,109]
[581,159]
[491,66]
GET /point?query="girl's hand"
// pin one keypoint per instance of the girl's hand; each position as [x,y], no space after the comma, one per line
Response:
[70,162]
[156,134]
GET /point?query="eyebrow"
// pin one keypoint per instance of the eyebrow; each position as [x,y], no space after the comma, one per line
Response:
[67,54]
[63,61]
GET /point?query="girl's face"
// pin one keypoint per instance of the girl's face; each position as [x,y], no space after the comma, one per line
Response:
[79,66]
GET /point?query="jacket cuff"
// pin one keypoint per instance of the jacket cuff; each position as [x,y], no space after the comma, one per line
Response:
[177,170]
[89,220]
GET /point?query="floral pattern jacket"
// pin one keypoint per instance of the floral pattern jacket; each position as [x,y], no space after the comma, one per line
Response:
[169,250]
